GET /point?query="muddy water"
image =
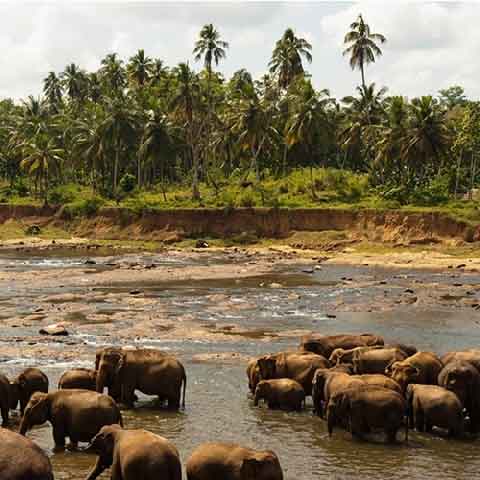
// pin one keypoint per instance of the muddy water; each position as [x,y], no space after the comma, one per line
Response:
[264,314]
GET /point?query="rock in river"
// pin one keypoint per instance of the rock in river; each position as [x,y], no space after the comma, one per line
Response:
[55,329]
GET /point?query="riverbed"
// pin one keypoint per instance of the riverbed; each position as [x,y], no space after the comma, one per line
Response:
[215,311]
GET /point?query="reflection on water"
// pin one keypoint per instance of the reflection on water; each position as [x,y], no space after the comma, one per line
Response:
[218,405]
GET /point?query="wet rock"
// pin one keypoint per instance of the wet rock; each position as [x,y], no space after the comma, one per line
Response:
[90,262]
[457,284]
[135,292]
[54,330]
[33,230]
[308,270]
[409,290]
[462,265]
[275,285]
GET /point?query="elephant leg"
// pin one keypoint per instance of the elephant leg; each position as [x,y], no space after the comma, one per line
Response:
[59,435]
[23,404]
[116,472]
[391,434]
[174,401]
[128,395]
[419,420]
[5,412]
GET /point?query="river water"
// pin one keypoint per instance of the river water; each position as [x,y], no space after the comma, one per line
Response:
[331,300]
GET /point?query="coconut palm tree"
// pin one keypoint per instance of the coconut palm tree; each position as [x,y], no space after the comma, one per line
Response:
[287,55]
[52,88]
[113,74]
[42,157]
[139,69]
[74,82]
[369,102]
[362,47]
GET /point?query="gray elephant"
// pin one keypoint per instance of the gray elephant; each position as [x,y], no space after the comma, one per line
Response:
[325,344]
[134,455]
[423,368]
[28,382]
[282,393]
[222,461]
[471,356]
[21,459]
[343,356]
[83,378]
[4,398]
[253,374]
[77,414]
[326,382]
[299,366]
[376,360]
[367,409]
[378,380]
[148,370]
[431,405]
[463,379]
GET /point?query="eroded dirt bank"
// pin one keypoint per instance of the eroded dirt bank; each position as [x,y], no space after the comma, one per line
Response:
[173,225]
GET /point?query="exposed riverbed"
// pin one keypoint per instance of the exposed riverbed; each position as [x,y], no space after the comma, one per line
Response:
[216,310]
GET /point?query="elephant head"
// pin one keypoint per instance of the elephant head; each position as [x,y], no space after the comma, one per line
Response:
[461,378]
[261,466]
[262,391]
[109,367]
[338,411]
[267,366]
[103,444]
[36,412]
[403,374]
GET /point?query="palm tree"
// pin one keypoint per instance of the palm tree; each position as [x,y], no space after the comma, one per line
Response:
[113,74]
[52,88]
[119,131]
[74,82]
[369,102]
[212,49]
[287,56]
[426,140]
[42,157]
[139,69]
[308,119]
[184,104]
[157,71]
[156,144]
[94,87]
[361,45]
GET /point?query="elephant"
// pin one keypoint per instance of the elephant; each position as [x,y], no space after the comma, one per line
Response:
[365,409]
[148,370]
[22,459]
[376,360]
[463,379]
[4,398]
[25,385]
[423,368]
[253,374]
[472,356]
[299,366]
[134,455]
[326,382]
[379,380]
[324,345]
[282,393]
[409,350]
[223,461]
[342,356]
[74,413]
[431,405]
[83,378]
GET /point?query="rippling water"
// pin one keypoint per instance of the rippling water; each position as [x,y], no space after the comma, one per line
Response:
[220,409]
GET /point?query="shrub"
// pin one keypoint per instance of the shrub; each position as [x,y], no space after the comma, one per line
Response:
[128,183]
[247,201]
[84,208]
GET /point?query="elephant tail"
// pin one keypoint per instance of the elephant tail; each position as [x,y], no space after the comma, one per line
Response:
[184,381]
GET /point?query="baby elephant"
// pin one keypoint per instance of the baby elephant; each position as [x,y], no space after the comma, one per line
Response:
[282,393]
[77,414]
[83,378]
[28,382]
[430,405]
[134,455]
[222,461]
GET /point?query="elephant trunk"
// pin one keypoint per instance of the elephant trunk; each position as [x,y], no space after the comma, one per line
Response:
[100,382]
[24,427]
[256,398]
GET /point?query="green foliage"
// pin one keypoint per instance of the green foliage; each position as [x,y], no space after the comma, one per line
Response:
[88,207]
[128,183]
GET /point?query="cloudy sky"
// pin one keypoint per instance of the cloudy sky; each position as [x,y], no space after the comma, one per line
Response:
[430,45]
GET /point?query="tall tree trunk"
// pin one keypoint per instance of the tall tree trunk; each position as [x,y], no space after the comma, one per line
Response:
[457,180]
[195,189]
[363,75]
[473,173]
[115,167]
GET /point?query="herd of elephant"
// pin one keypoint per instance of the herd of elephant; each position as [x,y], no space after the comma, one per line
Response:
[80,411]
[355,381]
[362,385]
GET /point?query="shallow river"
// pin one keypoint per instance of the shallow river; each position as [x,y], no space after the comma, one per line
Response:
[218,404]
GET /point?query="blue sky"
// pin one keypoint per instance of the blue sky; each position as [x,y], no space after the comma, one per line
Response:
[430,45]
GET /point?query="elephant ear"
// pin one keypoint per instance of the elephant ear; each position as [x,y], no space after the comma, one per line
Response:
[120,365]
[250,469]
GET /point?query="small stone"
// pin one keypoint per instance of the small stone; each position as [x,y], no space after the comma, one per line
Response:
[90,262]
[135,292]
[201,244]
[53,330]
[409,290]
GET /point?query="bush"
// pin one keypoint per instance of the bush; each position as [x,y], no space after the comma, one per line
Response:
[128,183]
[20,188]
[84,208]
[63,194]
[247,201]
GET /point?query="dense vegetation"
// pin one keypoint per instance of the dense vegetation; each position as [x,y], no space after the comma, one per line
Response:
[143,134]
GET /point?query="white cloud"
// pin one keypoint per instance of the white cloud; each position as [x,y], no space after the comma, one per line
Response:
[430,45]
